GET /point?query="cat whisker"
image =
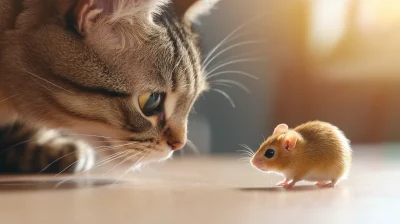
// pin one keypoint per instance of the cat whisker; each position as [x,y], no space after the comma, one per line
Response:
[234,83]
[193,147]
[222,42]
[99,136]
[202,95]
[230,48]
[44,87]
[66,168]
[43,79]
[123,161]
[17,144]
[230,36]
[68,179]
[96,150]
[129,168]
[108,141]
[109,148]
[116,146]
[230,63]
[58,159]
[222,84]
[232,72]
[253,55]
[226,96]
[111,158]
[4,100]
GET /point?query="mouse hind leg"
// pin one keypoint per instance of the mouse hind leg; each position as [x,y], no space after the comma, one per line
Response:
[332,183]
[320,183]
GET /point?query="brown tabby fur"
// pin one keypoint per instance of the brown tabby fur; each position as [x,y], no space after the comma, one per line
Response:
[84,76]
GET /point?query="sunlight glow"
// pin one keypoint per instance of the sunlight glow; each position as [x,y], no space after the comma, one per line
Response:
[328,22]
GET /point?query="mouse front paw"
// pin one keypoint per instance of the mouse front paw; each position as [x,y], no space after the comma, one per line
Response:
[290,185]
[283,183]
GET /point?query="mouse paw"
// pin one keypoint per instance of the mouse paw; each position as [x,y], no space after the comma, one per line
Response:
[320,183]
[331,184]
[289,185]
[326,184]
[283,183]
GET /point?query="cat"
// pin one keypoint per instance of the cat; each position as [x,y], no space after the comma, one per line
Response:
[88,79]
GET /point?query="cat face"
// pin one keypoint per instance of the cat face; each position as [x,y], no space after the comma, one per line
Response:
[125,70]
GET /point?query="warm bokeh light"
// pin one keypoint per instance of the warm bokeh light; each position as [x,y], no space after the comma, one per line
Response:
[327,25]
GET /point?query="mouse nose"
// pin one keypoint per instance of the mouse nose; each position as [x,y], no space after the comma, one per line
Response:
[257,162]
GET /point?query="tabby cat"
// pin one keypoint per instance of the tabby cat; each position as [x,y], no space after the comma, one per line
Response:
[89,79]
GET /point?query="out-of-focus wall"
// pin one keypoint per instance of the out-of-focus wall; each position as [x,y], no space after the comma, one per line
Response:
[248,121]
[328,60]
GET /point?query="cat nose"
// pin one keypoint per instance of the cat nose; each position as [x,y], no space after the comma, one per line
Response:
[175,146]
[175,139]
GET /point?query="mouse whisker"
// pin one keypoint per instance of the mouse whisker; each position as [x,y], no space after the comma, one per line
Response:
[248,149]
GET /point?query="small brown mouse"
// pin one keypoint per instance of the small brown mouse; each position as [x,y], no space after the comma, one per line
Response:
[315,151]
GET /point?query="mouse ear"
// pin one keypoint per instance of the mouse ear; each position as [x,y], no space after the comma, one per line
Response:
[280,128]
[290,140]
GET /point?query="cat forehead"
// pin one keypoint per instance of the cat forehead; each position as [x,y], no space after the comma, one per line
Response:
[171,59]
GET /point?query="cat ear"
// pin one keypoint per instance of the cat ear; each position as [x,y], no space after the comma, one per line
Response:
[280,128]
[191,10]
[290,140]
[87,12]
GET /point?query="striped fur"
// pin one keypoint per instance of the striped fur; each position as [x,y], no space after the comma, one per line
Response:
[27,150]
[60,71]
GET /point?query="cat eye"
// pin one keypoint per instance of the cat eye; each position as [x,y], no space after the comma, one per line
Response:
[151,103]
[269,153]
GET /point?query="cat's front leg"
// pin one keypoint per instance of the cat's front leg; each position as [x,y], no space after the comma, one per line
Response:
[27,150]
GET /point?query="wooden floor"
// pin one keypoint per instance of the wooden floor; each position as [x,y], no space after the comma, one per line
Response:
[218,189]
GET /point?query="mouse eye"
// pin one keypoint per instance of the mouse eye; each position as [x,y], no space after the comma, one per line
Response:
[269,153]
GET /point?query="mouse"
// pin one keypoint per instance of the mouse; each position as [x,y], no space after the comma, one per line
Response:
[315,151]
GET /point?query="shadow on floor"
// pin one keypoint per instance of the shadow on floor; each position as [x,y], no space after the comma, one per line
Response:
[56,184]
[280,189]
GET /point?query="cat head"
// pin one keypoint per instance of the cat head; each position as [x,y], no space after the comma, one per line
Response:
[128,70]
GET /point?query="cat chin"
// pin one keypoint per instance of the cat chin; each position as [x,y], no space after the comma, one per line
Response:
[137,160]
[156,158]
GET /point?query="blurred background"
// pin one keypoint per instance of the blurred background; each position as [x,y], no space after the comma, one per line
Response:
[336,61]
